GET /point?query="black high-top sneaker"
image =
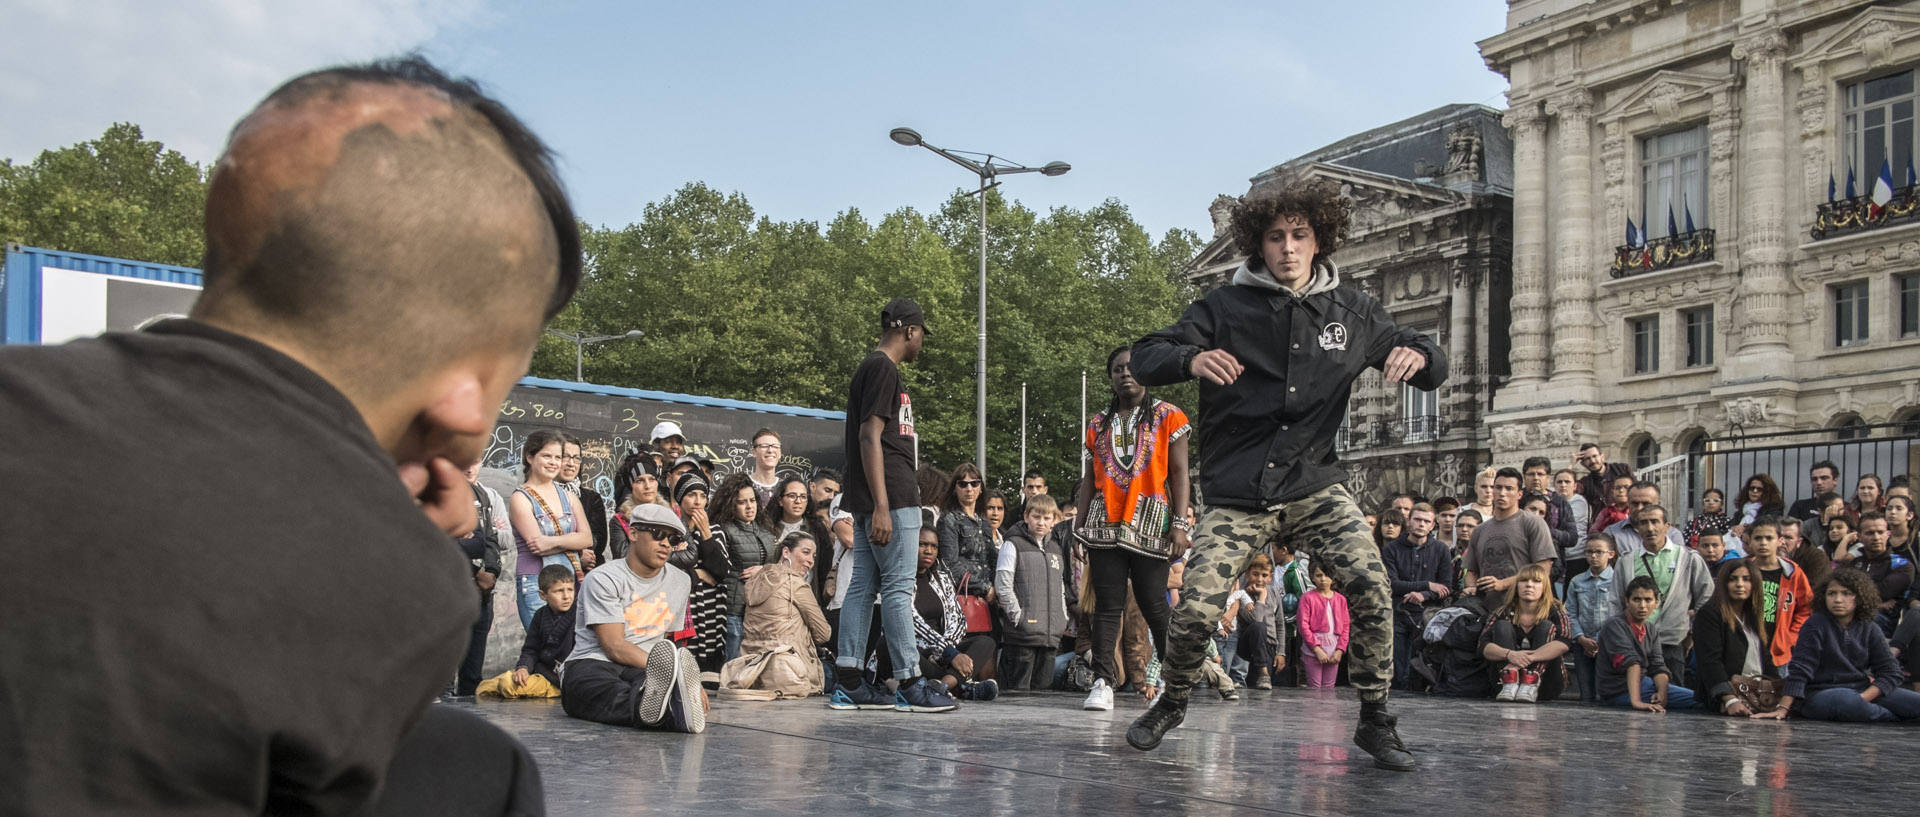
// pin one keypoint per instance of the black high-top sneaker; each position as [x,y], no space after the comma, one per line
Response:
[1166,713]
[1376,734]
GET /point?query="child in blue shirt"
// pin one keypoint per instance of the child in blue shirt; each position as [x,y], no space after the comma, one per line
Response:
[1589,597]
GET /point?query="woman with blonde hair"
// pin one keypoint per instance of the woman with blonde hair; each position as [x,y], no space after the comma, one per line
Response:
[1526,639]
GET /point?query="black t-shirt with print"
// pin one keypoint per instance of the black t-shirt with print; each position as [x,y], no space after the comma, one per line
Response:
[179,626]
[1770,593]
[876,392]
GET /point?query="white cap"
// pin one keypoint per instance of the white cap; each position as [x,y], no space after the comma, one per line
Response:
[667,428]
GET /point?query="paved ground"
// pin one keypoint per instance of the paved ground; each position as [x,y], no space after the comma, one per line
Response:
[1281,752]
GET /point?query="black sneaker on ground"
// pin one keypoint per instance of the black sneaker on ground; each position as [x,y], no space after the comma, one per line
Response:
[1165,714]
[1376,735]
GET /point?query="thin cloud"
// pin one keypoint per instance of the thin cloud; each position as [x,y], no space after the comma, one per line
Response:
[184,70]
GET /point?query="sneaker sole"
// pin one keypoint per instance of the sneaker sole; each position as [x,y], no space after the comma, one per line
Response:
[663,669]
[696,715]
[1156,744]
[1097,707]
[901,705]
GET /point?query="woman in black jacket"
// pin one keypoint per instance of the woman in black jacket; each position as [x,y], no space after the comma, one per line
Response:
[1730,637]
[966,542]
[749,547]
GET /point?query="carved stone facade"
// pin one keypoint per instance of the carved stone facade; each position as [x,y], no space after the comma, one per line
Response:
[1761,88]
[1433,212]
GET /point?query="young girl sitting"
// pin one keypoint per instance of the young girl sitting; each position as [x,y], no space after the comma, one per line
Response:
[1526,638]
[1323,630]
[1842,669]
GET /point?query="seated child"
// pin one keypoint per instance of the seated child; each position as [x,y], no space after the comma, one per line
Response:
[1632,671]
[624,669]
[1028,580]
[1842,668]
[549,642]
[1211,674]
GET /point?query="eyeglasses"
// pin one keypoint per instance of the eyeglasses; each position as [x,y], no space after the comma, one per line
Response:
[968,483]
[790,497]
[767,447]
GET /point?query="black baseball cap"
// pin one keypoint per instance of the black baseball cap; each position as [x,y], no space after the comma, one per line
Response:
[902,312]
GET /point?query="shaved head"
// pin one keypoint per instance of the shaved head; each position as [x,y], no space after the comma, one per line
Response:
[381,222]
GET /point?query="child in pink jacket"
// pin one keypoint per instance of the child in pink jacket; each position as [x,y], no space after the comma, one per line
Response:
[1323,631]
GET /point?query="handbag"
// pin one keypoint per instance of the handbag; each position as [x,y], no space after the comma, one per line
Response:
[1759,694]
[974,609]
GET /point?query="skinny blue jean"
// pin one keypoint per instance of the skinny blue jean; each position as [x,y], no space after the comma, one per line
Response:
[886,570]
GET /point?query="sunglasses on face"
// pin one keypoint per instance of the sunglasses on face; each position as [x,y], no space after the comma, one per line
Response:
[968,483]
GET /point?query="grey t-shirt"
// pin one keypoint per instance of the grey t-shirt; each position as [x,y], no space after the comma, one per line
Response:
[1500,547]
[648,608]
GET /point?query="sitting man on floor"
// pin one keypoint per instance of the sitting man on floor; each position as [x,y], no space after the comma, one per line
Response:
[624,669]
[549,642]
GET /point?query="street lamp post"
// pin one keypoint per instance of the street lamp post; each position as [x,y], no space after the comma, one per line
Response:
[987,167]
[580,342]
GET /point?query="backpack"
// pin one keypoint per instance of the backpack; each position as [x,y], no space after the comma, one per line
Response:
[1454,659]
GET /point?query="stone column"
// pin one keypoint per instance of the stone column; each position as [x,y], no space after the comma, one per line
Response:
[1763,230]
[1462,376]
[1529,328]
[1574,267]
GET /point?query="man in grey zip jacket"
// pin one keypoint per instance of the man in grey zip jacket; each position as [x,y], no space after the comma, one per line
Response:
[1691,584]
[1277,353]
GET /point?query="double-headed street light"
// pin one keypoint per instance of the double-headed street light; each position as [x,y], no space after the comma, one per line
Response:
[987,167]
[580,342]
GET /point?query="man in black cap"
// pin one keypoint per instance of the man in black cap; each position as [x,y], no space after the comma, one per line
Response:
[884,498]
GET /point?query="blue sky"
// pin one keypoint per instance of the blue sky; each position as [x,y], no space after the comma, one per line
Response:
[1160,105]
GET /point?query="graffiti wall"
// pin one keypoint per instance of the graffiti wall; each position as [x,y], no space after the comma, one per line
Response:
[611,426]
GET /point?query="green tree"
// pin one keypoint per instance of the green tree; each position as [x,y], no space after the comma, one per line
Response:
[119,195]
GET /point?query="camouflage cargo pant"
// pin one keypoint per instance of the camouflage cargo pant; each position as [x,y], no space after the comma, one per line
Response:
[1327,526]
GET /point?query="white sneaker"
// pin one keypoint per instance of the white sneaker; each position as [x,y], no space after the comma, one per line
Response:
[1527,694]
[1100,698]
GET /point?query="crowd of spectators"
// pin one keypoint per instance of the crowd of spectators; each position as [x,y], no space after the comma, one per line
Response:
[1578,583]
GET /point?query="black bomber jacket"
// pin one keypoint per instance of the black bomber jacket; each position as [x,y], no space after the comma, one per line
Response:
[1268,438]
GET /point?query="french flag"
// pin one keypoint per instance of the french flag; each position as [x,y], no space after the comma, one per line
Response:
[1882,193]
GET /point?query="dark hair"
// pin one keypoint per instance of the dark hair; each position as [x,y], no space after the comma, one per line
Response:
[770,516]
[950,501]
[1589,447]
[1603,536]
[793,540]
[1654,507]
[1388,516]
[555,574]
[1870,516]
[720,509]
[1033,474]
[1826,498]
[1316,201]
[1444,504]
[827,474]
[1468,512]
[536,442]
[765,432]
[1643,583]
[1827,464]
[1737,613]
[1842,519]
[933,483]
[1537,462]
[1641,485]
[1769,490]
[928,519]
[1710,492]
[1569,472]
[1867,596]
[1900,481]
[637,463]
[989,495]
[1508,472]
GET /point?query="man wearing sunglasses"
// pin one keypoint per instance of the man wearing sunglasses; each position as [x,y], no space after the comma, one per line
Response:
[1684,580]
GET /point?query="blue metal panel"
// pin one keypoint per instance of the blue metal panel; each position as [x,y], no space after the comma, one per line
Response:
[20,285]
[688,399]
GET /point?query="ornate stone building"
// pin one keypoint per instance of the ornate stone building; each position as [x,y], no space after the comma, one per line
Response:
[1431,223]
[1753,300]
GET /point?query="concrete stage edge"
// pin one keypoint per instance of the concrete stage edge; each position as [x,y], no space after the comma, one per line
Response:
[1281,752]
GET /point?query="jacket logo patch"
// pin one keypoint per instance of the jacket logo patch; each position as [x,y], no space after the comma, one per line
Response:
[1333,337]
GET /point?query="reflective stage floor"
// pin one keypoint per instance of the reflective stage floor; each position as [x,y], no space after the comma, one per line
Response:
[1281,752]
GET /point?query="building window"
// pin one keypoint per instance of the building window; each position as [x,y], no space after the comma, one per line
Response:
[1420,410]
[1879,128]
[1645,454]
[1851,428]
[1646,343]
[1850,314]
[1673,179]
[1699,323]
[1908,305]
